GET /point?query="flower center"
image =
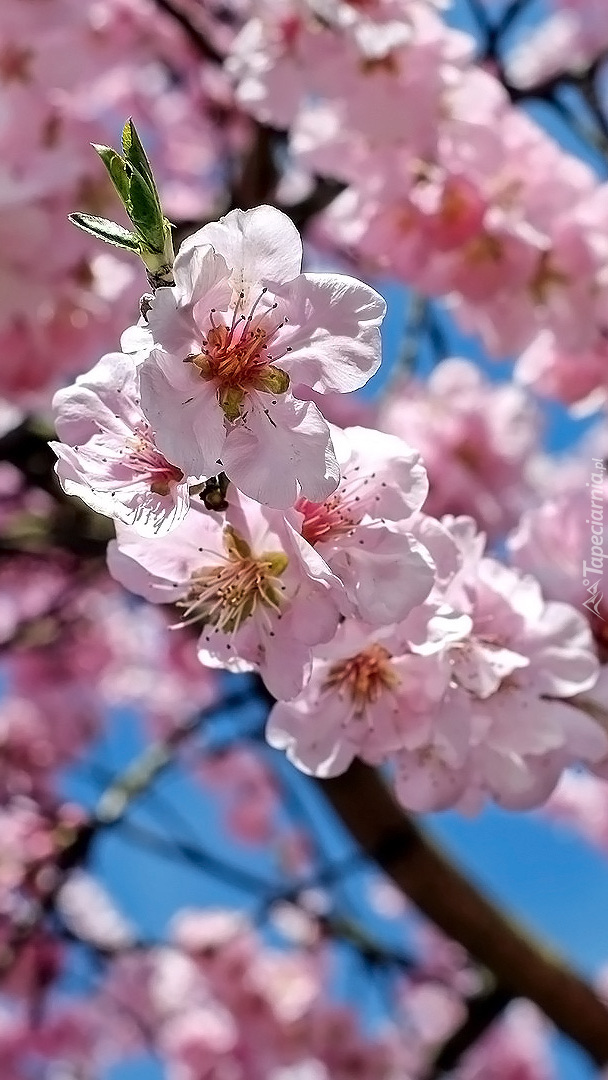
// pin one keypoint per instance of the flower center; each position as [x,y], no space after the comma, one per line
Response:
[363,677]
[151,465]
[236,356]
[324,521]
[225,596]
[388,64]
[484,248]
[289,30]
[339,514]
[469,455]
[15,64]
[546,279]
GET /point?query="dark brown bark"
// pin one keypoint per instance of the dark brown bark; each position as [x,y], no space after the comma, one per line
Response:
[521,966]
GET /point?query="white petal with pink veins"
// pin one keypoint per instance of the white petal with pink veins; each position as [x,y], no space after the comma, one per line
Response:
[480,667]
[386,571]
[187,419]
[260,245]
[280,450]
[561,653]
[319,750]
[102,399]
[333,331]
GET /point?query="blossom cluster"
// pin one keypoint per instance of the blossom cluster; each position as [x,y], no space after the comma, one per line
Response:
[464,196]
[217,1000]
[571,37]
[401,571]
[382,631]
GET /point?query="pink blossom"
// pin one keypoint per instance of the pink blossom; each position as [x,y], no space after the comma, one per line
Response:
[554,542]
[262,594]
[524,658]
[497,217]
[466,702]
[371,693]
[476,439]
[88,910]
[569,39]
[580,801]
[26,838]
[361,58]
[218,995]
[50,712]
[107,454]
[364,530]
[29,585]
[574,377]
[247,791]
[515,1049]
[214,392]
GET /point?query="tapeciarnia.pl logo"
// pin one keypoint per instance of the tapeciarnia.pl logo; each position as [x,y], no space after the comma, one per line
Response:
[593,570]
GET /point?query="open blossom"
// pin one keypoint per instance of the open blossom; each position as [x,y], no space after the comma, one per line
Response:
[261,595]
[574,377]
[89,911]
[373,691]
[569,39]
[581,802]
[364,57]
[364,529]
[514,673]
[218,996]
[107,454]
[236,337]
[497,217]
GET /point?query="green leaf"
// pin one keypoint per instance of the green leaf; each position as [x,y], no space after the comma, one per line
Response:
[145,212]
[106,230]
[116,168]
[134,152]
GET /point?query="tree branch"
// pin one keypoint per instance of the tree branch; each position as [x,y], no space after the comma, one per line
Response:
[197,38]
[483,1011]
[520,966]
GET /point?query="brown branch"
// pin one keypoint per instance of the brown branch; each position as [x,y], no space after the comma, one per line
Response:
[196,36]
[258,173]
[483,1011]
[520,966]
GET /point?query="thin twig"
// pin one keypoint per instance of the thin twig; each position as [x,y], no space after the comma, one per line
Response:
[414,326]
[110,811]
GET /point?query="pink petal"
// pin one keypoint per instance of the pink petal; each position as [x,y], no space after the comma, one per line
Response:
[274,456]
[188,422]
[260,245]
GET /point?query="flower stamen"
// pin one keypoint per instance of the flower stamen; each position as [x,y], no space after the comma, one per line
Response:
[225,595]
[363,677]
[236,358]
[150,465]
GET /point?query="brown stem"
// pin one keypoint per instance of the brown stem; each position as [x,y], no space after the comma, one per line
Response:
[196,36]
[258,171]
[520,966]
[483,1011]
